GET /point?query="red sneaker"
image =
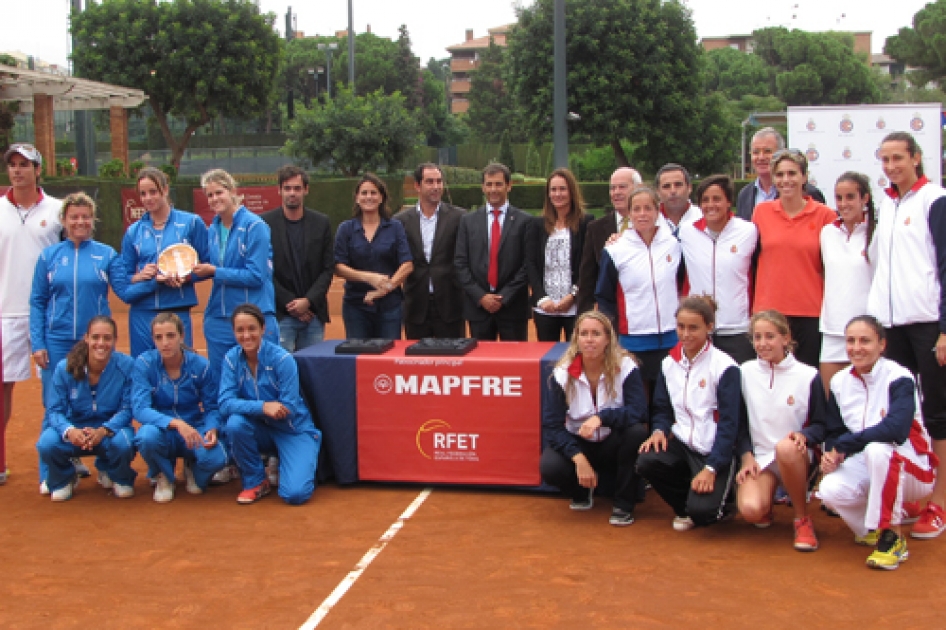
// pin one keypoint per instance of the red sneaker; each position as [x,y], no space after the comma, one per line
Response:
[932,522]
[912,510]
[252,495]
[805,539]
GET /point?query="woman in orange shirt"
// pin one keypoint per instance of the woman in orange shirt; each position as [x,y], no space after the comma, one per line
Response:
[790,274]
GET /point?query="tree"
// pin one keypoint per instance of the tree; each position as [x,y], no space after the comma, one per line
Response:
[197,59]
[8,110]
[737,74]
[493,109]
[440,127]
[505,152]
[377,66]
[356,133]
[303,55]
[924,45]
[407,68]
[635,71]
[816,68]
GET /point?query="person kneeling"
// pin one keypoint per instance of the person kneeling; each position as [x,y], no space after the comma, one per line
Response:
[604,425]
[89,413]
[259,397]
[878,453]
[175,400]
[688,458]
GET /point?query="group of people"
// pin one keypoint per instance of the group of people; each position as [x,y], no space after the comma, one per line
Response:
[710,349]
[731,357]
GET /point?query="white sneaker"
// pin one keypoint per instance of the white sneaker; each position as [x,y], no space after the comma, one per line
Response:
[105,481]
[190,482]
[272,470]
[81,469]
[4,475]
[225,475]
[64,493]
[163,489]
[122,491]
[683,523]
[43,488]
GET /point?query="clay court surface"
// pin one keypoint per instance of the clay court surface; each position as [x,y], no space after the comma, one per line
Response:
[465,559]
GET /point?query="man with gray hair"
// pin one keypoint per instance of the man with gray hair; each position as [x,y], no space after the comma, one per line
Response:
[766,142]
[623,181]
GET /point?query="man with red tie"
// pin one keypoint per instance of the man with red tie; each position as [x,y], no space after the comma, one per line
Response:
[490,262]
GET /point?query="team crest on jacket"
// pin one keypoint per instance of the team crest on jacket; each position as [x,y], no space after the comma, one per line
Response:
[883,413]
[907,221]
[733,249]
[42,223]
[703,383]
[791,400]
[669,258]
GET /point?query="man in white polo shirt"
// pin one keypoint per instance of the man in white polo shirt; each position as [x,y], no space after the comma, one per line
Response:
[29,222]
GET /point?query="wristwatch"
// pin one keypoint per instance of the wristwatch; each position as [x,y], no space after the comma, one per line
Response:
[574,291]
[710,468]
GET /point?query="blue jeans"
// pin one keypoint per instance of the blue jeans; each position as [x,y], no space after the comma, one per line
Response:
[295,334]
[362,324]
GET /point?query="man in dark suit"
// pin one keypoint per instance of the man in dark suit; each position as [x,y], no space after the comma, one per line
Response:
[490,262]
[303,262]
[432,295]
[623,181]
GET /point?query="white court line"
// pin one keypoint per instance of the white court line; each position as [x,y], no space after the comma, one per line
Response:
[349,580]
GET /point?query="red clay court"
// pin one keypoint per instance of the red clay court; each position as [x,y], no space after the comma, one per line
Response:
[464,559]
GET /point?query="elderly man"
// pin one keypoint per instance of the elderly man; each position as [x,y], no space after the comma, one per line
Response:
[623,180]
[765,143]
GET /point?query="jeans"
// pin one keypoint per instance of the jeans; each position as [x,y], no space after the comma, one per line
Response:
[361,324]
[295,334]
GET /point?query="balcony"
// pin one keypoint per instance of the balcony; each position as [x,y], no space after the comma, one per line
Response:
[463,64]
[460,86]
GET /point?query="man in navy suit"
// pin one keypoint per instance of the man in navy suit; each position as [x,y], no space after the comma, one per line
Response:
[490,262]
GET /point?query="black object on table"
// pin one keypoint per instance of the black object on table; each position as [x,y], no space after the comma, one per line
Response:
[364,346]
[430,346]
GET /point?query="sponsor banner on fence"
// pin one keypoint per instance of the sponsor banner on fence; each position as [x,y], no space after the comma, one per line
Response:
[843,138]
[474,419]
[132,208]
[257,199]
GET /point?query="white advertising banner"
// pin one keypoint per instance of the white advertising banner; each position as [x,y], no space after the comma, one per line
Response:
[844,138]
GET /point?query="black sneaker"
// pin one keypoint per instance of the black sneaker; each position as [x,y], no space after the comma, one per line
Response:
[620,518]
[584,503]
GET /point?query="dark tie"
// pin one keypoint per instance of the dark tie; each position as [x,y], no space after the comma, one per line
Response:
[495,235]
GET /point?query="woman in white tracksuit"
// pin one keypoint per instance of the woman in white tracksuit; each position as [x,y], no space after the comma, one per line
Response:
[878,453]
[780,394]
[908,293]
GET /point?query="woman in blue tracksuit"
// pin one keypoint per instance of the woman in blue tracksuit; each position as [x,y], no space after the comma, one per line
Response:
[157,230]
[264,412]
[175,399]
[70,287]
[89,413]
[241,266]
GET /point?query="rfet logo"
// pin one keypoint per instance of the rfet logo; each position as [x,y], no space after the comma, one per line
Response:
[847,125]
[436,440]
[916,123]
[811,126]
[132,208]
[383,384]
[812,153]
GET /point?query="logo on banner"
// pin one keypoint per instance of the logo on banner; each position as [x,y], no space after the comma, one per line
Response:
[437,441]
[447,385]
[916,123]
[846,153]
[383,384]
[877,154]
[812,153]
[847,125]
[882,181]
[811,126]
[881,123]
[813,181]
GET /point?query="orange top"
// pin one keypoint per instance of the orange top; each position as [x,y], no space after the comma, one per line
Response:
[790,275]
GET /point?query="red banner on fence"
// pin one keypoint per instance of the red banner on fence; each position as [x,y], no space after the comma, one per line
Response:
[474,419]
[132,208]
[257,199]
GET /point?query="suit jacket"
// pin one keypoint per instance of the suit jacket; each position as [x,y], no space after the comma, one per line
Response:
[448,295]
[472,263]
[596,235]
[745,200]
[535,255]
[317,267]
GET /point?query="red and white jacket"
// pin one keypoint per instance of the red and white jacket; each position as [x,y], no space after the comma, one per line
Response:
[637,284]
[720,268]
[699,401]
[847,275]
[779,399]
[909,254]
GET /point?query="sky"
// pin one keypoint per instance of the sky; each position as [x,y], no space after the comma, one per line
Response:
[40,27]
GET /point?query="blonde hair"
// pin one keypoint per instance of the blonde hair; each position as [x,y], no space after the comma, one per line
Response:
[222,178]
[80,200]
[613,354]
[779,321]
[643,190]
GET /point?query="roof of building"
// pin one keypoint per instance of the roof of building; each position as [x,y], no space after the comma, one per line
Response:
[479,43]
[69,93]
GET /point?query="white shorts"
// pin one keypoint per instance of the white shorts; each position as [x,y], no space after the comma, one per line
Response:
[833,349]
[16,349]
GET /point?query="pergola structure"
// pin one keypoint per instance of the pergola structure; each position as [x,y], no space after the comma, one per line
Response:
[42,94]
